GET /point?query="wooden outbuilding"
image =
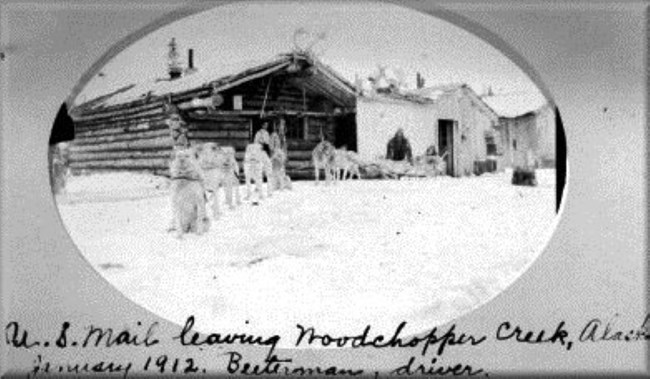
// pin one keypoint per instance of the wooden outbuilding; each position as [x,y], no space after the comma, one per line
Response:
[526,128]
[451,118]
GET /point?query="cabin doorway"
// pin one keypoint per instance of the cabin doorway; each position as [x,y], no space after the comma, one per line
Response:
[446,143]
[345,133]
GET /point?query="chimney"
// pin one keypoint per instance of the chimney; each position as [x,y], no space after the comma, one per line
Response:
[174,67]
[190,59]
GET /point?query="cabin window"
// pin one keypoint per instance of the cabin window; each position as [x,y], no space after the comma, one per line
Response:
[294,128]
[237,102]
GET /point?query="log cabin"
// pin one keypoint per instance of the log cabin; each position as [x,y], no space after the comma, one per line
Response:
[127,129]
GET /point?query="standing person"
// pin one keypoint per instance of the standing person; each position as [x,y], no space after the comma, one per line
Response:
[262,137]
[399,148]
[278,137]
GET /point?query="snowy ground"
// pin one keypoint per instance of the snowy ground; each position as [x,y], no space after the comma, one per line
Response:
[338,258]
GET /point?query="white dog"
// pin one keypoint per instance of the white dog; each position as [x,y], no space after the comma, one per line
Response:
[279,178]
[220,169]
[346,162]
[257,165]
[187,194]
[323,158]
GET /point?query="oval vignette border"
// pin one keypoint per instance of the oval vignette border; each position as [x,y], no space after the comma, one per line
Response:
[63,127]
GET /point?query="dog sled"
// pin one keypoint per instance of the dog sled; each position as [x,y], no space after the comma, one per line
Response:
[423,167]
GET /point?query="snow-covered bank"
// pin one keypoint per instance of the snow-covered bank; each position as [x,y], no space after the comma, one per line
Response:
[338,257]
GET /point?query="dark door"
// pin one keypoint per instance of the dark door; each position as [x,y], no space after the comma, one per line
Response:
[446,143]
[345,133]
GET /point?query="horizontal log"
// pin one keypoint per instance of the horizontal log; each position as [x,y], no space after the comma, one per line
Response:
[222,121]
[301,175]
[121,115]
[164,172]
[223,134]
[125,136]
[300,155]
[299,165]
[301,145]
[220,126]
[108,113]
[118,128]
[217,116]
[153,143]
[146,164]
[121,122]
[121,154]
[101,108]
[238,144]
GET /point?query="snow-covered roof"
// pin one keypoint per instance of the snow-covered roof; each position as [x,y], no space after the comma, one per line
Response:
[515,104]
[221,77]
[435,92]
[395,96]
[200,78]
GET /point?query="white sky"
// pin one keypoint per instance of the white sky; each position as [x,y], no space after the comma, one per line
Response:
[359,36]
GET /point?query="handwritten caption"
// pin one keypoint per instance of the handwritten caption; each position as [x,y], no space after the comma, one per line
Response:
[426,351]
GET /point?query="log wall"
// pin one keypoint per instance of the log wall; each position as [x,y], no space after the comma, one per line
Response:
[135,136]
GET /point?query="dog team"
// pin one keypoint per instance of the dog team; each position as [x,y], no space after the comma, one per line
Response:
[206,169]
[199,173]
